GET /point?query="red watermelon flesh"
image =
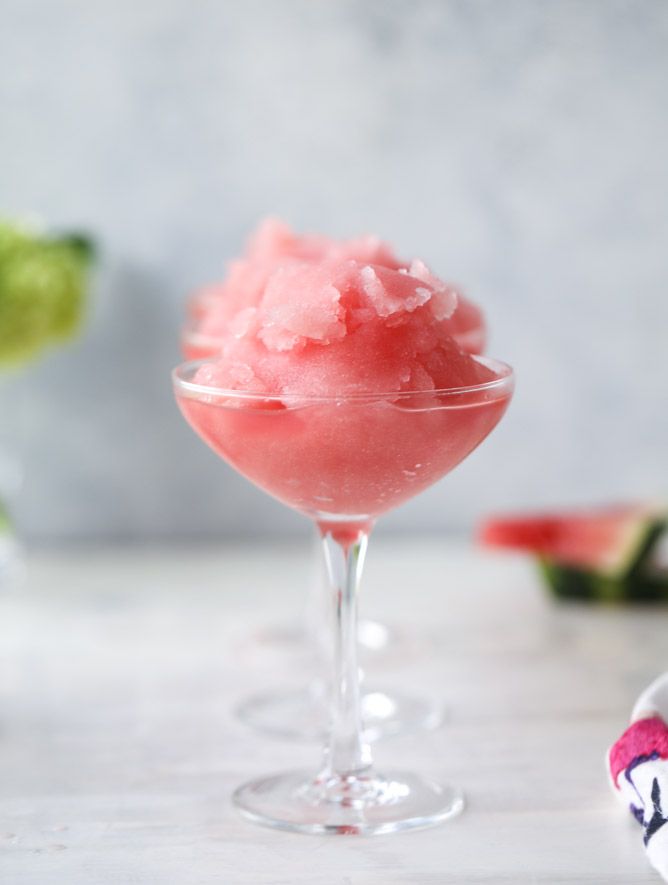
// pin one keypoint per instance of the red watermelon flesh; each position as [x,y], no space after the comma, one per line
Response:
[605,539]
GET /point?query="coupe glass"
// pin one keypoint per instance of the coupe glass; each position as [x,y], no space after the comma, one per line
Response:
[301,713]
[343,461]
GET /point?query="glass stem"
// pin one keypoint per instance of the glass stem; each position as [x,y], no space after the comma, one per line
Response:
[348,755]
[317,614]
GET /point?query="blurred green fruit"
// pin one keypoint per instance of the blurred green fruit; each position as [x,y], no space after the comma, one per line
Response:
[43,285]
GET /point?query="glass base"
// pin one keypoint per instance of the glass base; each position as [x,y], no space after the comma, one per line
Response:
[303,714]
[366,806]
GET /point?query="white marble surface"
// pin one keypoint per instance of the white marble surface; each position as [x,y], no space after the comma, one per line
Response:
[118,750]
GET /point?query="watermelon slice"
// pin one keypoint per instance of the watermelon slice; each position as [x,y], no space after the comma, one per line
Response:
[600,553]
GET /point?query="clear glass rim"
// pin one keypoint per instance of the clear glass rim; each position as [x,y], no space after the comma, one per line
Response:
[181,375]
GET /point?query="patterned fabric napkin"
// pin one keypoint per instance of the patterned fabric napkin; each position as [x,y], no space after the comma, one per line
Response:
[638,766]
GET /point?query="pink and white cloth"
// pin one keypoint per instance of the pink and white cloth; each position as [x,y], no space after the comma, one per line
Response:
[638,766]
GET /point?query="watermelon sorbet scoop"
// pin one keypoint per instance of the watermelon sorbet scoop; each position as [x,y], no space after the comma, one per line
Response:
[311,315]
[275,247]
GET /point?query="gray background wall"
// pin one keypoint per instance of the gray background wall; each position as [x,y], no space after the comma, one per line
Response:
[518,146]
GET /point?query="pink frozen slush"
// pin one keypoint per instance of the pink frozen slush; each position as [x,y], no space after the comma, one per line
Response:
[274,244]
[339,388]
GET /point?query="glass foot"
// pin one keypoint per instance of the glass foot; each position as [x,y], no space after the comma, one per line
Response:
[302,714]
[366,806]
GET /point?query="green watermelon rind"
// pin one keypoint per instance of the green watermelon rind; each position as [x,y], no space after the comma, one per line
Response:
[653,534]
[635,583]
[641,533]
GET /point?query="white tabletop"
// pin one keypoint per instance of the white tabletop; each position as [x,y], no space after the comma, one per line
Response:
[119,749]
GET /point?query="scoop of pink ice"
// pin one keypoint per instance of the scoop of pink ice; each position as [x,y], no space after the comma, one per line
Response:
[340,326]
[275,246]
